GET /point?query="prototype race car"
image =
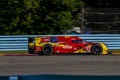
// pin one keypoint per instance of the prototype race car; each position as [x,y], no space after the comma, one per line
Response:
[64,44]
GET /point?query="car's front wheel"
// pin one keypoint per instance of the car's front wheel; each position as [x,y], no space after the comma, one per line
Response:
[96,49]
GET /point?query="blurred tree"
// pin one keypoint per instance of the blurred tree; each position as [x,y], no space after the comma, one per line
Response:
[37,16]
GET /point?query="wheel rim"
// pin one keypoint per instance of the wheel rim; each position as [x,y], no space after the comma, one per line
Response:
[47,49]
[96,49]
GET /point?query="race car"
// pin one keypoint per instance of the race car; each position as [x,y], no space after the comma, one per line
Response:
[47,45]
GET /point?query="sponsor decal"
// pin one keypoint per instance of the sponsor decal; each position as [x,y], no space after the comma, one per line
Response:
[67,47]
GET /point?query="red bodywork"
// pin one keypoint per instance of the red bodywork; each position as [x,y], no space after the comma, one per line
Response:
[65,44]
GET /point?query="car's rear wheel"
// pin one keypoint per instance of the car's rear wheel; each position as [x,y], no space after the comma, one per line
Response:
[47,49]
[96,49]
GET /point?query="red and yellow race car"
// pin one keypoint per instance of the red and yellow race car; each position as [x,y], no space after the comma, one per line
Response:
[64,44]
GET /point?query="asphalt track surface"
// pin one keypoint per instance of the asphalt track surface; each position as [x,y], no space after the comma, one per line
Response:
[60,64]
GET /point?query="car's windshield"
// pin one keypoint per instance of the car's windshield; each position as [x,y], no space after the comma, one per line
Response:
[77,41]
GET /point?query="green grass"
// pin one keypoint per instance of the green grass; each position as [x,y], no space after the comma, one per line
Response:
[13,52]
[115,50]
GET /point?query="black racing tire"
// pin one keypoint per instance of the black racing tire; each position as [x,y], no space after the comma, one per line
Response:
[47,49]
[96,49]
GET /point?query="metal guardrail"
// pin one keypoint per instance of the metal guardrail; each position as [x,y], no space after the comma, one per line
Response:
[112,40]
[20,42]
